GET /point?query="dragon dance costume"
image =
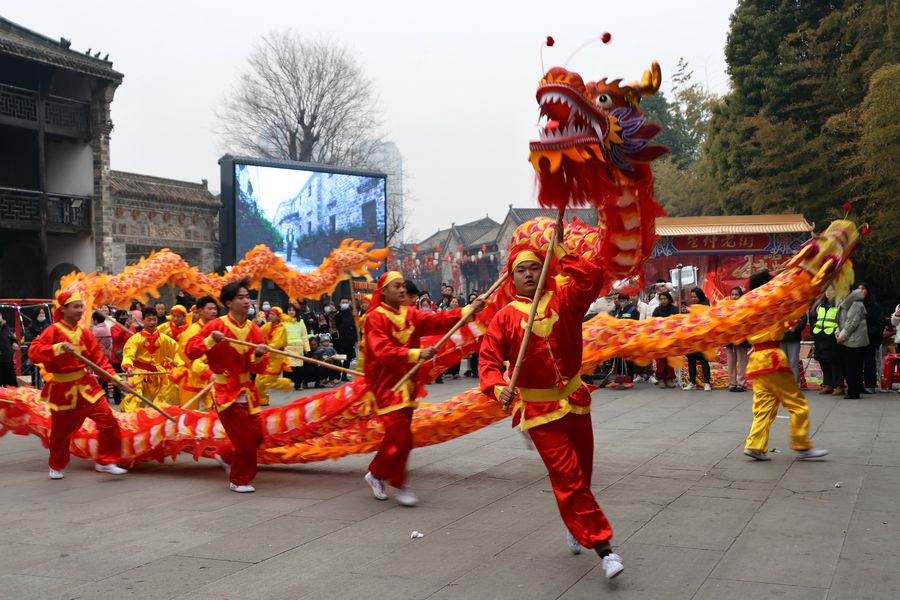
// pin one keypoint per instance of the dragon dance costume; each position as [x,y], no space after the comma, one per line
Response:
[150,352]
[391,348]
[774,384]
[234,394]
[551,402]
[72,394]
[276,337]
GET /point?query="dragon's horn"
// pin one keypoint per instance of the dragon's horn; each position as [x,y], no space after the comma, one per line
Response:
[649,83]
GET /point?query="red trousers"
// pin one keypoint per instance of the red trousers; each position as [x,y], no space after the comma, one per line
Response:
[245,434]
[567,448]
[64,424]
[389,463]
[664,371]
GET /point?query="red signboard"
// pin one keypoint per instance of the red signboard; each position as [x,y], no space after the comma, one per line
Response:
[720,244]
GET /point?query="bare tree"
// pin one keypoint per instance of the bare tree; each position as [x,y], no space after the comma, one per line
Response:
[304,100]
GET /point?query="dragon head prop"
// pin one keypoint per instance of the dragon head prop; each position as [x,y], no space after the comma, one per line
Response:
[593,137]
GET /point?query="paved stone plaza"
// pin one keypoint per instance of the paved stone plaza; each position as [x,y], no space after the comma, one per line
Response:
[694,518]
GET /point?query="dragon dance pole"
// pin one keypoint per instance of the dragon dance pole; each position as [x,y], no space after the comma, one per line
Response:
[102,372]
[450,333]
[295,356]
[199,395]
[545,269]
[144,373]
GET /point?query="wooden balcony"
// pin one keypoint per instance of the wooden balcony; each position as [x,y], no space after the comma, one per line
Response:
[28,209]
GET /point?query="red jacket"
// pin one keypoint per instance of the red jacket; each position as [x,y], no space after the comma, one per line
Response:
[392,339]
[69,380]
[232,364]
[549,384]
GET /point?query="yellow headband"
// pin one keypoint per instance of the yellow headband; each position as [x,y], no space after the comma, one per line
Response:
[526,256]
[390,277]
[178,308]
[74,297]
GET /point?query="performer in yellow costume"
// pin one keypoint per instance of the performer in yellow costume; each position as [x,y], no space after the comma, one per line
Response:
[276,337]
[195,374]
[149,351]
[774,384]
[178,322]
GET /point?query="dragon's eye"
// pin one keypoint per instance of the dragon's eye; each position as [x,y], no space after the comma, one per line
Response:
[604,101]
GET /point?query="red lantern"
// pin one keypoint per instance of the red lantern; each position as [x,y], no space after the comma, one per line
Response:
[460,248]
[437,248]
[415,247]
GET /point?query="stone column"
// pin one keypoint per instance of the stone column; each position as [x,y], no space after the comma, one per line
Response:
[102,203]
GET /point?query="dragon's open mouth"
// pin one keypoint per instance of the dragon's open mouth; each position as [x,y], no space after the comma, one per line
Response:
[567,119]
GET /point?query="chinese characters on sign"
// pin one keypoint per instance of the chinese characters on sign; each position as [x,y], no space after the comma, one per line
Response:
[720,244]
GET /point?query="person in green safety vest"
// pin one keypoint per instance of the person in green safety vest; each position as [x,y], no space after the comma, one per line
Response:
[823,317]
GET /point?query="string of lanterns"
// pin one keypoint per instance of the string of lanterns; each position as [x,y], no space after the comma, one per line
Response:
[415,262]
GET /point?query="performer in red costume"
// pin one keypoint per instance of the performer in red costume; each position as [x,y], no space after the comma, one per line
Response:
[234,393]
[391,347]
[550,401]
[71,392]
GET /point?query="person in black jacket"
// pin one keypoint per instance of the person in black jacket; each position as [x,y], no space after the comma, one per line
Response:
[698,297]
[665,374]
[875,328]
[345,321]
[623,370]
[8,349]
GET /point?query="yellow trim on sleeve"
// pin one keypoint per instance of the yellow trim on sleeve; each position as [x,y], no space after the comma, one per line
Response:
[413,355]
[498,389]
[209,342]
[559,250]
[57,348]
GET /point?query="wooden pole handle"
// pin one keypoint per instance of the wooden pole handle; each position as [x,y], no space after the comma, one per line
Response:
[299,357]
[103,373]
[539,290]
[199,395]
[456,327]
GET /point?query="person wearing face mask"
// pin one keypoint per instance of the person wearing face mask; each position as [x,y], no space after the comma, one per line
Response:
[345,322]
[37,325]
[326,319]
[8,350]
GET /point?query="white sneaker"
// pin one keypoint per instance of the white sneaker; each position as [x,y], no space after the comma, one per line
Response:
[812,453]
[223,464]
[612,565]
[707,387]
[689,387]
[572,543]
[111,469]
[54,474]
[241,489]
[377,486]
[407,497]
[653,380]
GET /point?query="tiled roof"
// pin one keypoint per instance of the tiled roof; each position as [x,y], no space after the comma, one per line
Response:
[146,187]
[520,215]
[468,234]
[730,225]
[23,43]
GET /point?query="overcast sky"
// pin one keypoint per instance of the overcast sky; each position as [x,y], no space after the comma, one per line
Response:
[455,80]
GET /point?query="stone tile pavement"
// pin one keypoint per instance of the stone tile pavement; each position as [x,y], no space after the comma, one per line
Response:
[694,518]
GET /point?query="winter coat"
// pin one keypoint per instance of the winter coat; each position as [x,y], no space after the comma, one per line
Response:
[665,311]
[895,321]
[852,321]
[874,324]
